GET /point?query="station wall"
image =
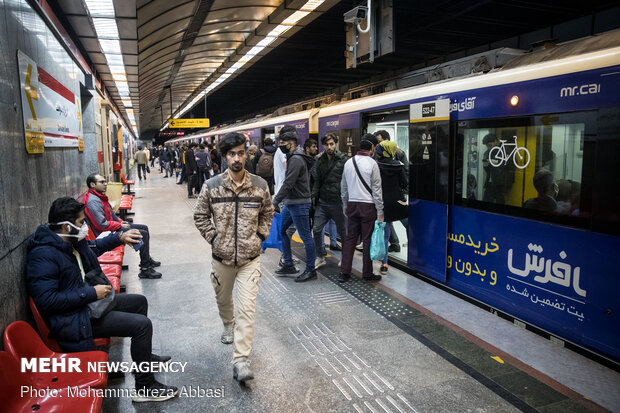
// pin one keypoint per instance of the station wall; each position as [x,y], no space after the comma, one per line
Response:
[30,182]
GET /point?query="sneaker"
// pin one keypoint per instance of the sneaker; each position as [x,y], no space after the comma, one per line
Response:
[394,248]
[360,246]
[335,248]
[289,269]
[228,335]
[319,262]
[242,371]
[152,263]
[161,359]
[166,176]
[373,277]
[306,276]
[384,269]
[191,196]
[149,273]
[156,392]
[342,277]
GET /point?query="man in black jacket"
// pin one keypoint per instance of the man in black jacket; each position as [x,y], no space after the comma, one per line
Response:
[295,195]
[191,170]
[58,259]
[326,193]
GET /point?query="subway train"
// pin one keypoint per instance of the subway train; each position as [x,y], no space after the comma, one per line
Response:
[514,197]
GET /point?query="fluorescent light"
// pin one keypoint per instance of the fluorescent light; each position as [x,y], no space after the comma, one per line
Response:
[311,5]
[110,45]
[295,17]
[106,28]
[115,59]
[119,77]
[100,7]
[266,42]
[255,50]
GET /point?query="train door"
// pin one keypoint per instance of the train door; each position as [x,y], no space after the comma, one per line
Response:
[267,133]
[429,155]
[395,121]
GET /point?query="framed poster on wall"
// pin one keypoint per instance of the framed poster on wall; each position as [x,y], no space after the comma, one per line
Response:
[51,111]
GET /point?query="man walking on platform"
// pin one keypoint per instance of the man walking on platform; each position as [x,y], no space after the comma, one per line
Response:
[326,193]
[191,169]
[363,203]
[295,194]
[141,159]
[233,213]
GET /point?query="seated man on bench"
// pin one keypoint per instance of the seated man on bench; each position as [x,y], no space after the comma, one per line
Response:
[101,218]
[58,259]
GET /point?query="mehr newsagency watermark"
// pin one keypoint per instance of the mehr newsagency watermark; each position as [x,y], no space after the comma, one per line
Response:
[69,392]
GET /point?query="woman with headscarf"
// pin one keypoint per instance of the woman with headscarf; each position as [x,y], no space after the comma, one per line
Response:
[393,183]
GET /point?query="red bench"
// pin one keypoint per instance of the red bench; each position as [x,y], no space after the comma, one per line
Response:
[128,183]
[22,341]
[44,331]
[14,401]
[111,270]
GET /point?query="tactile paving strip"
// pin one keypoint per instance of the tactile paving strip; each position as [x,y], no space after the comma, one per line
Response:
[363,385]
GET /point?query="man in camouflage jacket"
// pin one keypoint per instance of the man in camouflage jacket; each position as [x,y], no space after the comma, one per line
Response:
[234,214]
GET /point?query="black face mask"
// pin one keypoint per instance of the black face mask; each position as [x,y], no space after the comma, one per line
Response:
[284,149]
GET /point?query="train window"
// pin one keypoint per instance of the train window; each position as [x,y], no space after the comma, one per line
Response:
[533,164]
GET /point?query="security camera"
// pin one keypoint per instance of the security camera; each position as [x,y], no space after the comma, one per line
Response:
[356,16]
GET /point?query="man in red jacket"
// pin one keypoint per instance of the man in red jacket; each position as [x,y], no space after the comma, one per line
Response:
[101,218]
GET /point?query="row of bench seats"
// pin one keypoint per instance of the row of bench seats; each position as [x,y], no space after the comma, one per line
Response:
[21,341]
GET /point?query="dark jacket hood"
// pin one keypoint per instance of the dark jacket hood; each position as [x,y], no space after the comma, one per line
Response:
[45,236]
[270,148]
[300,152]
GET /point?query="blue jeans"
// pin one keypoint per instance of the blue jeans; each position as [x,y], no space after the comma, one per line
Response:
[386,237]
[298,214]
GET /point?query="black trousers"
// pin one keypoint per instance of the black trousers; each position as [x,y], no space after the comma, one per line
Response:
[322,215]
[141,170]
[203,175]
[129,319]
[191,183]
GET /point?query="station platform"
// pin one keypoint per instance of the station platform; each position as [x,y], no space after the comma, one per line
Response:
[399,345]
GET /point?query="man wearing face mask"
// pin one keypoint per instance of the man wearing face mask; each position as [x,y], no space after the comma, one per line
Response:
[57,262]
[295,195]
[101,218]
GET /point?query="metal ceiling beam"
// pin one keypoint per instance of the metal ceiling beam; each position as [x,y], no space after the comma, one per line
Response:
[204,6]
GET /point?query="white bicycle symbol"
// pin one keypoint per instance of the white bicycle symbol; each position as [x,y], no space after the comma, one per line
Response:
[498,155]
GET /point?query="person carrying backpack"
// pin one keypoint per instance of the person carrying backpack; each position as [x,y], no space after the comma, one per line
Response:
[263,162]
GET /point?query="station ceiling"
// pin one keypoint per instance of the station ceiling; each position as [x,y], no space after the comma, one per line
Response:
[184,47]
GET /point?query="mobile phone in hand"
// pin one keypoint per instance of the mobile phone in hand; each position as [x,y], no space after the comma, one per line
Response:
[138,245]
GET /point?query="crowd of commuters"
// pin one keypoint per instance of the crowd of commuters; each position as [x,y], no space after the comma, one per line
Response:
[309,190]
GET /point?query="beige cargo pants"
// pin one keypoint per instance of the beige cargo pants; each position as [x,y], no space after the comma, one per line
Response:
[224,278]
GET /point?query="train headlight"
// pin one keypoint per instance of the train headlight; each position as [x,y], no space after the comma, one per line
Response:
[514,101]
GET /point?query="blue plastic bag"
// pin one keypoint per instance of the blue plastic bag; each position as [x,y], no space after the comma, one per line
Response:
[274,240]
[377,242]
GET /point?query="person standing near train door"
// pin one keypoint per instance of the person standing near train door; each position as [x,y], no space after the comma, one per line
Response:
[234,214]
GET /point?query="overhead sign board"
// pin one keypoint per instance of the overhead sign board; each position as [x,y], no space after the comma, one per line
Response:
[188,123]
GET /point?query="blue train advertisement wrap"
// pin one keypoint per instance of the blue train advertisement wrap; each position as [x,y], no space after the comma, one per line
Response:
[549,275]
[428,223]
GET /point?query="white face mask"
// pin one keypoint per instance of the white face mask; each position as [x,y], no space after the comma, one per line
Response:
[83,230]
